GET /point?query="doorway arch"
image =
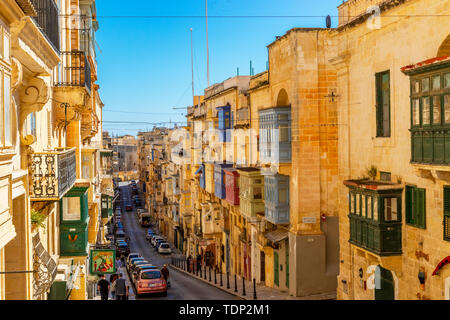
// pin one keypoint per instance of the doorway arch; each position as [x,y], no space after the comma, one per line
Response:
[444,49]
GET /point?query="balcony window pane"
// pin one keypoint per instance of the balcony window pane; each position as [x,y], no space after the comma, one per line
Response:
[437,110]
[415,86]
[415,111]
[283,117]
[447,80]
[436,85]
[375,209]
[363,206]
[426,110]
[390,209]
[425,85]
[447,108]
[369,207]
[352,203]
[358,211]
[71,209]
[282,196]
[284,133]
[257,193]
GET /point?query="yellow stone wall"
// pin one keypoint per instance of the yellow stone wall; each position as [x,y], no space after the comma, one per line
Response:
[362,52]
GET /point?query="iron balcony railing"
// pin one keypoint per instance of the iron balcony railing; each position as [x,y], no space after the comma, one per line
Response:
[76,70]
[47,20]
[53,174]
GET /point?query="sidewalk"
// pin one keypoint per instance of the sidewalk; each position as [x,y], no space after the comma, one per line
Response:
[262,292]
[131,295]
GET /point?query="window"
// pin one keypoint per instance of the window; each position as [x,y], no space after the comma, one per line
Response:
[437,110]
[71,209]
[383,104]
[390,209]
[415,205]
[282,195]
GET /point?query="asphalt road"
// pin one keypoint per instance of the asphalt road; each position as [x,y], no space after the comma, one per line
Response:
[182,287]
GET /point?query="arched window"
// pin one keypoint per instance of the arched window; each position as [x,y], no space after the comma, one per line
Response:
[283,99]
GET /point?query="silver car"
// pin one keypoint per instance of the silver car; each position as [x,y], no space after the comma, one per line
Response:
[164,247]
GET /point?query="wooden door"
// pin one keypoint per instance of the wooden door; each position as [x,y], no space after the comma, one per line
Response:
[263,266]
[276,269]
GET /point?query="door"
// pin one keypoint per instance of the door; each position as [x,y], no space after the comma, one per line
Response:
[228,253]
[263,266]
[384,284]
[245,261]
[287,264]
[276,269]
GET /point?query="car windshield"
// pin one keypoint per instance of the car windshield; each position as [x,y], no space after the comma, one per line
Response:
[132,256]
[138,263]
[136,259]
[164,245]
[151,275]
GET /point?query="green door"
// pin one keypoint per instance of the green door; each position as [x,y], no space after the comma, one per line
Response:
[287,264]
[276,268]
[384,284]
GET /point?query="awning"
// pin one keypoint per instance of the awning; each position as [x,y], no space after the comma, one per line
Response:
[198,171]
[277,235]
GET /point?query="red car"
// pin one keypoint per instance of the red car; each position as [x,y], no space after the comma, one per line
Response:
[128,208]
[150,281]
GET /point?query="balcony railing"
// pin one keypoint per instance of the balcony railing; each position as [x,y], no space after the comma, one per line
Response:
[76,70]
[47,20]
[242,117]
[53,174]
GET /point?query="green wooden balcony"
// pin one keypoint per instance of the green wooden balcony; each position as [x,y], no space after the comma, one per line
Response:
[375,216]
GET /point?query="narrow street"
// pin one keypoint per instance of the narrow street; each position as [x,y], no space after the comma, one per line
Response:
[183,287]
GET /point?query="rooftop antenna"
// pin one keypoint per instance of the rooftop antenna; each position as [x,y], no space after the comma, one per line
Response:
[192,64]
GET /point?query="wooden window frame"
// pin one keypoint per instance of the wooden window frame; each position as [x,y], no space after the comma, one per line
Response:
[379,105]
[413,215]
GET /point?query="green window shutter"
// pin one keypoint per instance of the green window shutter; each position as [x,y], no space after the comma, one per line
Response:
[447,213]
[379,110]
[382,81]
[421,209]
[408,204]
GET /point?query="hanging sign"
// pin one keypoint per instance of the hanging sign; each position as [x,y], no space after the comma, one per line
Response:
[102,261]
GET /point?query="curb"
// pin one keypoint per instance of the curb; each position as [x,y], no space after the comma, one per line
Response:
[209,283]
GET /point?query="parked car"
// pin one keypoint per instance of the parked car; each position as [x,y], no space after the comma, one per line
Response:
[133,255]
[164,247]
[150,281]
[132,260]
[136,264]
[155,239]
[122,248]
[149,234]
[142,267]
[158,242]
[121,235]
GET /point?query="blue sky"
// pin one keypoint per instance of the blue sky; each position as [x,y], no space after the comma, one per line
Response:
[145,63]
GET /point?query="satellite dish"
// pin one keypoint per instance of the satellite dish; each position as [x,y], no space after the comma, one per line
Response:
[328,21]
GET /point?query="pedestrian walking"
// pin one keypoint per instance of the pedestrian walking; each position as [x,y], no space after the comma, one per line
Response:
[121,288]
[103,286]
[119,264]
[165,273]
[189,261]
[112,280]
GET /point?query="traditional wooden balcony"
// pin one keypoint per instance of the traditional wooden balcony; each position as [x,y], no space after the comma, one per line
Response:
[232,186]
[375,216]
[276,198]
[219,180]
[53,174]
[251,192]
